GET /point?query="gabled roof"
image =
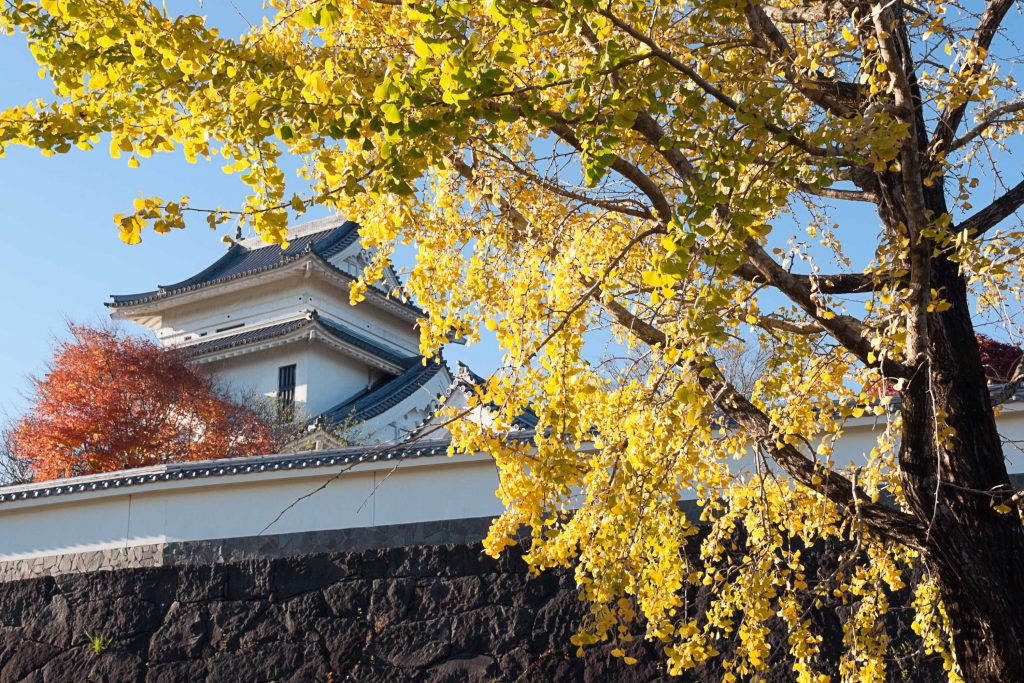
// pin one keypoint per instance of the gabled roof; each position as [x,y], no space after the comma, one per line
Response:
[319,240]
[384,397]
[313,320]
[241,260]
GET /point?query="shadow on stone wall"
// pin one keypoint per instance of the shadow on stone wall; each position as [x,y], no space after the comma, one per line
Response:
[426,613]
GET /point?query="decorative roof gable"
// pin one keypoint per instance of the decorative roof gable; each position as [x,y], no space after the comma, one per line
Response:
[318,241]
[394,361]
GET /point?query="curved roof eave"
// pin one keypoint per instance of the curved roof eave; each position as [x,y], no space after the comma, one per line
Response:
[390,360]
[375,296]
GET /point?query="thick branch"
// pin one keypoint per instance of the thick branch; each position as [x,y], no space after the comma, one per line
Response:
[986,121]
[774,322]
[846,329]
[882,520]
[844,195]
[895,51]
[824,92]
[995,212]
[802,14]
[835,283]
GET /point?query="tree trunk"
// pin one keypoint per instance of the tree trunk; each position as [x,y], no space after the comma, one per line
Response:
[976,552]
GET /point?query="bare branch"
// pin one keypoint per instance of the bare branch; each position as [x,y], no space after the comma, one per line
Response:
[845,195]
[991,215]
[774,322]
[950,120]
[986,122]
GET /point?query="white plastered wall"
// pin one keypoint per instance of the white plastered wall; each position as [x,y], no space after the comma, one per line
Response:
[860,437]
[374,494]
[244,505]
[323,377]
[280,299]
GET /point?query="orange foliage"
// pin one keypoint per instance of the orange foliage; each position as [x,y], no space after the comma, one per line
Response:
[111,402]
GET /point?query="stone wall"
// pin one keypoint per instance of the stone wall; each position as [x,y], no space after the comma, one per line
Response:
[430,613]
[441,613]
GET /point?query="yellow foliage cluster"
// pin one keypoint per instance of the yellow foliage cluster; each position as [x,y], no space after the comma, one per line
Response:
[579,176]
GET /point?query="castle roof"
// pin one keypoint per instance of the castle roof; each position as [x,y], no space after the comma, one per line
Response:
[383,397]
[319,240]
[298,328]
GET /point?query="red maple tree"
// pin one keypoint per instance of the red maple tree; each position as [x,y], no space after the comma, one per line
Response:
[1001,361]
[110,402]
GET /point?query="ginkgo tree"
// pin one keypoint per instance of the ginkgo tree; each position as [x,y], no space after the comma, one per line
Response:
[566,168]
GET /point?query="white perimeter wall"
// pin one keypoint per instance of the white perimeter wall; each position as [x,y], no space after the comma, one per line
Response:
[374,494]
[377,494]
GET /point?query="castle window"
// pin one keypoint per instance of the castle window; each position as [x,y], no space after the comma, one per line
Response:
[286,387]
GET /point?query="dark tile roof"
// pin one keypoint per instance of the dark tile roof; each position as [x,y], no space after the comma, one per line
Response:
[331,327]
[384,397]
[465,376]
[227,467]
[241,260]
[249,336]
[355,339]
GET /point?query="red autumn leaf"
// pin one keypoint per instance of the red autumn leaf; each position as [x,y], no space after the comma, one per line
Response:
[112,402]
[1000,360]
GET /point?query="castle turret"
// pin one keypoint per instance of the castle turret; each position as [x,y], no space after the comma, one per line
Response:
[276,322]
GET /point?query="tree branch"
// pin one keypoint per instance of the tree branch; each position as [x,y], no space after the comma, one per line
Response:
[882,520]
[987,218]
[774,322]
[950,120]
[835,283]
[986,121]
[803,14]
[846,329]
[710,89]
[845,195]
[613,206]
[824,92]
[893,46]
[659,203]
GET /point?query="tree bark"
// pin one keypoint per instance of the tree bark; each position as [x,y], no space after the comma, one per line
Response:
[976,552]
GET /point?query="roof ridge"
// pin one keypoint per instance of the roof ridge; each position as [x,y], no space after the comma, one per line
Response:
[304,229]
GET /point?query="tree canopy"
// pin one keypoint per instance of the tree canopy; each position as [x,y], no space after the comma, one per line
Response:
[112,402]
[677,175]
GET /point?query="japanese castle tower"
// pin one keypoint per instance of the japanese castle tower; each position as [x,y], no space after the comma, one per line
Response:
[277,322]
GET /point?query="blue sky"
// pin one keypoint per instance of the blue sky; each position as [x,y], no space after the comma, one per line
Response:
[62,254]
